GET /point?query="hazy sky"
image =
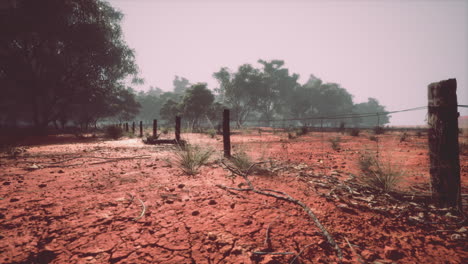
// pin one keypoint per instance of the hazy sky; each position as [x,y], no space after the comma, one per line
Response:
[389,50]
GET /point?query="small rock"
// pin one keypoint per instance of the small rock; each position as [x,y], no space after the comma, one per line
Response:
[456,237]
[60,171]
[180,186]
[212,202]
[212,236]
[42,185]
[6,183]
[169,201]
[12,200]
[393,253]
[248,222]
[195,213]
[233,205]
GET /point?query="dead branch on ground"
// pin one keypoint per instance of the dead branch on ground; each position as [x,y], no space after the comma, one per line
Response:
[281,196]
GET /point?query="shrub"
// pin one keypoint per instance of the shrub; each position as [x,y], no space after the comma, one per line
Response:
[335,143]
[291,135]
[377,175]
[302,131]
[403,137]
[374,138]
[114,132]
[419,134]
[378,130]
[354,132]
[190,158]
[165,131]
[211,133]
[241,161]
[11,150]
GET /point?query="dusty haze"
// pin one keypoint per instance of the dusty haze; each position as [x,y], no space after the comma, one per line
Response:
[390,50]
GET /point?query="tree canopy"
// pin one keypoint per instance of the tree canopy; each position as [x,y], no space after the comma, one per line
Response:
[64,60]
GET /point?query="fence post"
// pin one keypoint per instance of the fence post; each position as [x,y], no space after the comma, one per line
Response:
[126,127]
[443,143]
[226,134]
[141,128]
[155,128]
[177,128]
[133,127]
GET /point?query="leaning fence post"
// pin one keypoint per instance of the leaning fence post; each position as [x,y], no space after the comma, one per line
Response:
[226,134]
[177,129]
[133,127]
[443,143]
[155,128]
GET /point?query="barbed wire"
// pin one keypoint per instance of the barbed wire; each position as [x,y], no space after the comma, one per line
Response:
[340,116]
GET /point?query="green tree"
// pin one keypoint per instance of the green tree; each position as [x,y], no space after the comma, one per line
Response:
[196,104]
[370,107]
[180,84]
[59,55]
[169,110]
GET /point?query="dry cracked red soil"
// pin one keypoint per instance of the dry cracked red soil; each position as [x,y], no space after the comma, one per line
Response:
[102,201]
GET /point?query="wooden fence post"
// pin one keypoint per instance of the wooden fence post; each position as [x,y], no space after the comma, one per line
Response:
[177,129]
[443,143]
[126,127]
[141,128]
[155,128]
[133,127]
[226,134]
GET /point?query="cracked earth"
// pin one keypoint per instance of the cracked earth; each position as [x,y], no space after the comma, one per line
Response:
[101,201]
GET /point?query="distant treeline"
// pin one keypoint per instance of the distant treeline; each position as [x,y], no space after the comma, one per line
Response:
[65,62]
[259,96]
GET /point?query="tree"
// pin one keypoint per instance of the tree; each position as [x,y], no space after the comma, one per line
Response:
[370,107]
[151,104]
[197,103]
[169,111]
[180,84]
[59,55]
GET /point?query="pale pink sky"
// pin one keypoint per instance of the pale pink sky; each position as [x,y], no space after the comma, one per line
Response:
[390,50]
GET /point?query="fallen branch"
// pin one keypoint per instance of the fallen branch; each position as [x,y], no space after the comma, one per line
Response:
[273,253]
[285,197]
[300,253]
[143,210]
[354,251]
[267,242]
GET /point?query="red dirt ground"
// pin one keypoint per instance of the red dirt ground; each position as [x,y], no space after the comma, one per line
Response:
[71,201]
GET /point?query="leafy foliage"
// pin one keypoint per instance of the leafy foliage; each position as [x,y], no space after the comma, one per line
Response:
[63,60]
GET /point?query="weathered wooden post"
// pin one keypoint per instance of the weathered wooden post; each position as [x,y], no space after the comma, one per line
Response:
[133,127]
[177,128]
[126,127]
[443,143]
[226,134]
[141,128]
[155,128]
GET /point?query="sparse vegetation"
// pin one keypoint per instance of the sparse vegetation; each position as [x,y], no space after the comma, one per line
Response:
[335,143]
[302,131]
[374,138]
[241,161]
[191,157]
[291,135]
[377,175]
[378,130]
[404,137]
[114,132]
[11,150]
[354,132]
[419,134]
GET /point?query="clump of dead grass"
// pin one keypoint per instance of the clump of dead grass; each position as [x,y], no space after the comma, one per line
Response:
[190,158]
[384,176]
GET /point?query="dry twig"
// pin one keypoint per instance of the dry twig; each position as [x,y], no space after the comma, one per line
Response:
[285,197]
